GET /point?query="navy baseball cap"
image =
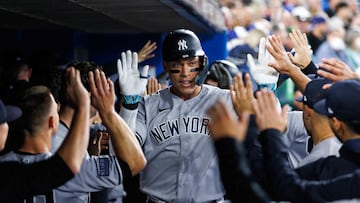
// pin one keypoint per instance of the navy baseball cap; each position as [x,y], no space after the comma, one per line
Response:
[318,19]
[9,113]
[314,92]
[341,100]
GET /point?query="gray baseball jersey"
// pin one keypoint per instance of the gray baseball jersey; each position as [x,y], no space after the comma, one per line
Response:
[296,138]
[97,173]
[182,163]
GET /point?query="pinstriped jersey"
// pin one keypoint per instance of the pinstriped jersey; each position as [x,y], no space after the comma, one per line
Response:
[182,163]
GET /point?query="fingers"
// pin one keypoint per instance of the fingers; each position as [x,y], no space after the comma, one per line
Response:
[148,47]
[128,60]
[153,86]
[251,62]
[134,61]
[119,68]
[284,112]
[92,84]
[144,71]
[249,88]
[262,49]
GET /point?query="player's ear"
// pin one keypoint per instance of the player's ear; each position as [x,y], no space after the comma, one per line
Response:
[51,122]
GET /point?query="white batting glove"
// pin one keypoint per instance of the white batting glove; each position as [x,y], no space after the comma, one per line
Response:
[264,76]
[132,84]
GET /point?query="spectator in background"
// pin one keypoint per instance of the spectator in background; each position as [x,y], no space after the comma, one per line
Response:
[352,40]
[330,11]
[15,78]
[334,46]
[317,33]
[343,15]
[354,6]
[316,8]
[355,22]
[302,16]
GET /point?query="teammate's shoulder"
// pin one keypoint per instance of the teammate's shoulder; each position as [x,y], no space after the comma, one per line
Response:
[214,89]
[157,95]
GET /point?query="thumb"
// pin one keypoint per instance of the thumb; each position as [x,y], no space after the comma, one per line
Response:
[251,63]
[144,71]
[291,57]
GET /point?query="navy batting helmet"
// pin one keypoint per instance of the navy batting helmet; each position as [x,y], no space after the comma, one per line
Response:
[222,71]
[182,43]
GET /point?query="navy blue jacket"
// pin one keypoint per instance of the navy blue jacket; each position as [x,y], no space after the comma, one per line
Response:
[287,185]
[332,166]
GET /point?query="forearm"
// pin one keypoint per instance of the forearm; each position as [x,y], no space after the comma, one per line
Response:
[236,174]
[285,183]
[129,116]
[73,149]
[124,142]
[299,78]
[310,69]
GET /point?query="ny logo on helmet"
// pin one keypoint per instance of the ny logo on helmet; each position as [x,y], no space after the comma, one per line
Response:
[182,45]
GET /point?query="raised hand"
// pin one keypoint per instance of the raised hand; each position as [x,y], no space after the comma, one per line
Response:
[242,95]
[76,93]
[132,84]
[223,124]
[153,86]
[282,62]
[102,92]
[264,75]
[335,70]
[146,51]
[267,113]
[303,51]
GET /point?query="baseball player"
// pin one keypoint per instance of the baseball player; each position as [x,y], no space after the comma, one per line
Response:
[172,125]
[97,172]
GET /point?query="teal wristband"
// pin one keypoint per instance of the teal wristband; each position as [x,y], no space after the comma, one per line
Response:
[131,99]
[269,86]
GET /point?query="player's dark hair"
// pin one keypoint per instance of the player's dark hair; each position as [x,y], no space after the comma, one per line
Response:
[84,68]
[35,105]
[354,126]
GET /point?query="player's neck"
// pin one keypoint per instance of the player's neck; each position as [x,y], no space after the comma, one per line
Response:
[188,96]
[66,115]
[38,144]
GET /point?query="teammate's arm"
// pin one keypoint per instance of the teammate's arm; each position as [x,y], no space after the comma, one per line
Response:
[75,145]
[123,139]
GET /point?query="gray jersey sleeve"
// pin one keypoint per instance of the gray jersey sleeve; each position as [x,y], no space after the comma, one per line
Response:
[296,138]
[97,173]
